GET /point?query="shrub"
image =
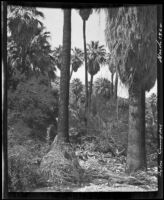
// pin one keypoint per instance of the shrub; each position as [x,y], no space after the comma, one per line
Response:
[34,103]
[23,170]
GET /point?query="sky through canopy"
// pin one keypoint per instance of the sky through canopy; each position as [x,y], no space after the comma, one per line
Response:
[94,31]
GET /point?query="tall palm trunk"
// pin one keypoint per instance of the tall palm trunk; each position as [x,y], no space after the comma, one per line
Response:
[112,84]
[63,122]
[143,144]
[71,74]
[86,75]
[61,151]
[136,156]
[90,91]
[24,70]
[116,84]
[115,94]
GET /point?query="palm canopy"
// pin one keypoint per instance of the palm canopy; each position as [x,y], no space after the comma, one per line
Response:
[103,87]
[28,49]
[111,66]
[131,38]
[23,23]
[77,58]
[76,86]
[57,55]
[85,13]
[40,53]
[96,56]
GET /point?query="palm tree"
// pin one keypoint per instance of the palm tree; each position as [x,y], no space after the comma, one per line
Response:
[112,70]
[103,87]
[96,57]
[116,84]
[13,63]
[85,13]
[57,55]
[37,58]
[39,54]
[63,122]
[76,88]
[131,37]
[77,59]
[60,163]
[23,25]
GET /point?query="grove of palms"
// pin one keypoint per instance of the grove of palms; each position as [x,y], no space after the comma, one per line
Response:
[84,120]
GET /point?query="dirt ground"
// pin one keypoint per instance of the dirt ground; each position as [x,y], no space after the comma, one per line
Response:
[107,174]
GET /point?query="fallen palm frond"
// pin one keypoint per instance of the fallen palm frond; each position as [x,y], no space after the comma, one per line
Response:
[60,165]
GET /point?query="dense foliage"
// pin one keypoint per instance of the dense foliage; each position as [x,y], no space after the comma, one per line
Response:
[132,43]
[32,104]
[28,49]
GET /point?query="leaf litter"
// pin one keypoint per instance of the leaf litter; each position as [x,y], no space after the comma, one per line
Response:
[104,172]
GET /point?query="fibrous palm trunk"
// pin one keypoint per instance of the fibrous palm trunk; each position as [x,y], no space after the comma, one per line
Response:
[115,95]
[24,70]
[116,84]
[86,76]
[60,164]
[136,155]
[90,91]
[64,79]
[71,74]
[143,144]
[112,84]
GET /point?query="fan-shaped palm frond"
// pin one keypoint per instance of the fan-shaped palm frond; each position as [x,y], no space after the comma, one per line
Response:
[57,55]
[131,38]
[76,86]
[77,58]
[23,23]
[28,48]
[96,57]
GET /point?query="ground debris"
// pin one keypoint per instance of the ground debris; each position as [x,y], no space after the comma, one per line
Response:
[105,169]
[60,165]
[104,172]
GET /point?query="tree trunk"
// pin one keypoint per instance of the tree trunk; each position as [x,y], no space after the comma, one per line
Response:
[60,165]
[117,108]
[86,75]
[116,84]
[24,69]
[143,144]
[63,123]
[115,94]
[136,155]
[90,91]
[71,74]
[112,84]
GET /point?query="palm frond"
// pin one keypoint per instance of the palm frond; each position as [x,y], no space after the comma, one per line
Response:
[128,29]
